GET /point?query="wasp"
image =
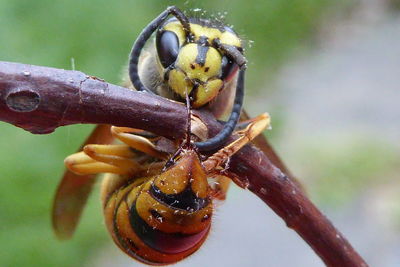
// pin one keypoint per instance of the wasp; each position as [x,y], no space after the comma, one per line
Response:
[158,210]
[194,55]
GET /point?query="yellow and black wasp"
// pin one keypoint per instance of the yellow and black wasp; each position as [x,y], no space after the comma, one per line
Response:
[195,56]
[158,210]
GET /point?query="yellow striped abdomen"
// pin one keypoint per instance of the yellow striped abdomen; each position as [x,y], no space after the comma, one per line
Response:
[165,218]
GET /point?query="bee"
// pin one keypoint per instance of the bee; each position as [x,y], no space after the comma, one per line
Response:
[192,57]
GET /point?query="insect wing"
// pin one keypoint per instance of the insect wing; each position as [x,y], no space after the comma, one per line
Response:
[73,190]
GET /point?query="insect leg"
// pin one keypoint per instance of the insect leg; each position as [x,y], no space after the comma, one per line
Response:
[97,159]
[128,136]
[245,136]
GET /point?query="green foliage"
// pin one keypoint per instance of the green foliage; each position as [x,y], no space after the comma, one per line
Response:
[339,169]
[31,168]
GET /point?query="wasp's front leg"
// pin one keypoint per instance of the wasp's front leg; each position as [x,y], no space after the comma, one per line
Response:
[131,137]
[218,163]
[116,159]
[256,126]
[95,159]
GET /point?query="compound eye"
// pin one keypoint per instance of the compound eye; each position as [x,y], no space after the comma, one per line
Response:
[228,69]
[167,44]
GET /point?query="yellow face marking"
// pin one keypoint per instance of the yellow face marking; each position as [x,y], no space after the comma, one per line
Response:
[178,83]
[226,37]
[207,92]
[188,72]
[176,27]
[186,61]
[186,64]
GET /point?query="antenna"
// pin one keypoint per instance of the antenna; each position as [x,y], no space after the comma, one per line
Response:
[186,142]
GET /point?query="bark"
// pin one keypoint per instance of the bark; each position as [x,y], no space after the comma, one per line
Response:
[40,99]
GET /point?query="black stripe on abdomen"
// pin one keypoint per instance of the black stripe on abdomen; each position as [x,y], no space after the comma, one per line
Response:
[170,243]
[185,200]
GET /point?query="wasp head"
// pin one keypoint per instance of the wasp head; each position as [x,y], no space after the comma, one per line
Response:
[193,62]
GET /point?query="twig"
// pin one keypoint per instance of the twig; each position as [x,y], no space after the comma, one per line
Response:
[40,99]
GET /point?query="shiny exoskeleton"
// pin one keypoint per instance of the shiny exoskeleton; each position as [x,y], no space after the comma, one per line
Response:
[164,218]
[158,211]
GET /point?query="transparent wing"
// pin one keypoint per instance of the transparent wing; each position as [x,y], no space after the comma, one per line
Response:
[73,190]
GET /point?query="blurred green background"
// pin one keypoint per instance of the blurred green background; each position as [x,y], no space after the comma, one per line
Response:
[97,36]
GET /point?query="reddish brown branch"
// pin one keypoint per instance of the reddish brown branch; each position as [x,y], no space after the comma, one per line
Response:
[40,99]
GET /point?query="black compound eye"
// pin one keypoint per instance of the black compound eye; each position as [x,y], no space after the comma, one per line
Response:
[167,44]
[228,68]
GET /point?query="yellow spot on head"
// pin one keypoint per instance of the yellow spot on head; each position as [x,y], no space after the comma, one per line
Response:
[186,61]
[176,27]
[188,72]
